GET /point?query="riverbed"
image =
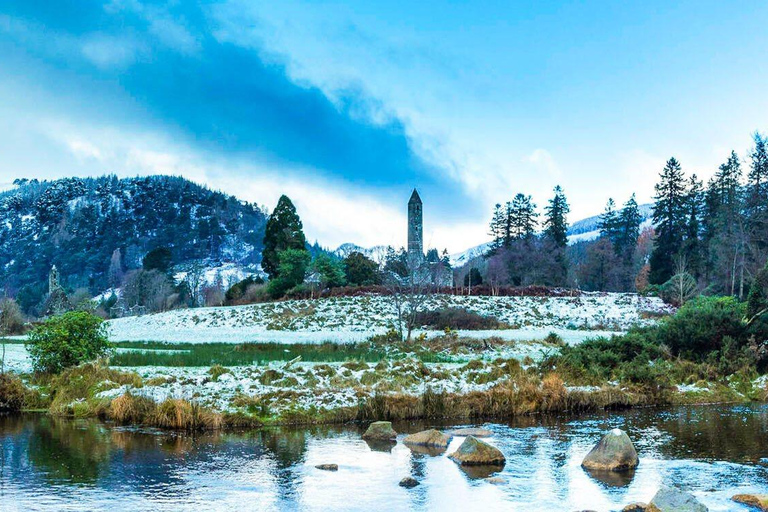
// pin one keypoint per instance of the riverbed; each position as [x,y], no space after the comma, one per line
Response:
[63,464]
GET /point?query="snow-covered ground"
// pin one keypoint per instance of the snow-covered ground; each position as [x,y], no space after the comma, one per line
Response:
[349,319]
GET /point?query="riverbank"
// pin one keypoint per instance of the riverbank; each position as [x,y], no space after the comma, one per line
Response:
[476,380]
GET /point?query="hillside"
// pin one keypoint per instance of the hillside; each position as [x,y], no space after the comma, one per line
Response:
[346,319]
[93,227]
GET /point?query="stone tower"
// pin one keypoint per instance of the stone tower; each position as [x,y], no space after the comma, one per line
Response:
[415,229]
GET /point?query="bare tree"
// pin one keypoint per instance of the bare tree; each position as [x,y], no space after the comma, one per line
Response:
[682,286]
[409,292]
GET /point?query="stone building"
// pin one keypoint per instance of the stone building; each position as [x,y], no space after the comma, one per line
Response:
[415,228]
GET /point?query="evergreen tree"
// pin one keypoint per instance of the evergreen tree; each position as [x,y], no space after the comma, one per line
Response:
[669,217]
[609,223]
[498,227]
[757,201]
[555,224]
[692,243]
[522,217]
[284,231]
[728,245]
[628,231]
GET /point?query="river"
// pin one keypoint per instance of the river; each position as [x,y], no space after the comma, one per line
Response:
[63,464]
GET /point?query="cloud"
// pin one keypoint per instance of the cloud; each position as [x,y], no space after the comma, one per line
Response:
[542,160]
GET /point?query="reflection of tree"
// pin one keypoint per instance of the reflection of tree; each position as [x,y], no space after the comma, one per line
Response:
[69,451]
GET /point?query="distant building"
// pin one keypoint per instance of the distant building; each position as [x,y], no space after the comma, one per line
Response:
[415,228]
[57,301]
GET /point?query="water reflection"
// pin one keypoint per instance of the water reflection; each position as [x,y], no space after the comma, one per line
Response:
[52,464]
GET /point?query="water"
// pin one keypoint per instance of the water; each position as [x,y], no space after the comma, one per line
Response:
[57,464]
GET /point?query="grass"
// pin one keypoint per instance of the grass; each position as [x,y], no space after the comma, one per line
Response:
[245,354]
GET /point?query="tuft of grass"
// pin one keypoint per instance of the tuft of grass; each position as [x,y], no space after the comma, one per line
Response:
[131,409]
[12,393]
[217,371]
[178,414]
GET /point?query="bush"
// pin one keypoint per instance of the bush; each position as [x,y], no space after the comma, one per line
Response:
[12,393]
[11,319]
[701,325]
[457,318]
[67,340]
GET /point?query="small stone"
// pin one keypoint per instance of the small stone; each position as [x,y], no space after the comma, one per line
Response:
[474,452]
[474,432]
[328,467]
[669,499]
[408,482]
[380,431]
[758,501]
[614,452]
[495,480]
[635,507]
[432,438]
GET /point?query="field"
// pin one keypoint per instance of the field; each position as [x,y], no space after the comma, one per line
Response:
[354,319]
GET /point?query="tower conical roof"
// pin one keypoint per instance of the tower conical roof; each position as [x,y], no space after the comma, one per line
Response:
[415,197]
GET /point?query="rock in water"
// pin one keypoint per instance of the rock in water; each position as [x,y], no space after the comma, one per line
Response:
[408,482]
[669,499]
[328,467]
[474,432]
[432,438]
[614,452]
[759,501]
[635,507]
[380,431]
[474,452]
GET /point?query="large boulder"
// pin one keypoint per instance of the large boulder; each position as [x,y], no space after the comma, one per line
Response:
[474,452]
[380,431]
[669,499]
[635,507]
[474,432]
[614,452]
[431,438]
[758,501]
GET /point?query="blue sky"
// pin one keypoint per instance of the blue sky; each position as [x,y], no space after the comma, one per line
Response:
[345,106]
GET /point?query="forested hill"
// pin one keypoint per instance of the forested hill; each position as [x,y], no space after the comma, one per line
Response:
[91,225]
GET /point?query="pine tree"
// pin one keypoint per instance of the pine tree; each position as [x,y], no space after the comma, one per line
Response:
[757,200]
[628,230]
[609,222]
[669,217]
[728,244]
[522,217]
[284,231]
[498,227]
[693,244]
[555,224]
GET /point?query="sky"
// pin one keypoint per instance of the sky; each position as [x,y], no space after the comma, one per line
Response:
[347,106]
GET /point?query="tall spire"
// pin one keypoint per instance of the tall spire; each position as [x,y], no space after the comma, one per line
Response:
[415,227]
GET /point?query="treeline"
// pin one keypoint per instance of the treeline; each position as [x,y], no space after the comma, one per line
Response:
[709,238]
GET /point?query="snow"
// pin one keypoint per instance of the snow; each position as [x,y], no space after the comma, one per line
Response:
[351,319]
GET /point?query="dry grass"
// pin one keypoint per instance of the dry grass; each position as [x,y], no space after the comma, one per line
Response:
[178,414]
[131,409]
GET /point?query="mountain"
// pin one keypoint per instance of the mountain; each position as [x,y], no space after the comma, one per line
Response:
[582,230]
[589,229]
[377,253]
[87,226]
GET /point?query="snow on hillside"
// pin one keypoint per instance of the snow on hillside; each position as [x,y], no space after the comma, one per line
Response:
[462,258]
[348,319]
[377,253]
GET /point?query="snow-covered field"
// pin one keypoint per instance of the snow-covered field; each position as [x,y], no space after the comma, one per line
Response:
[349,319]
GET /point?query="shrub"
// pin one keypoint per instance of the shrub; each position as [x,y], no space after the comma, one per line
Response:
[700,326]
[12,393]
[67,340]
[457,318]
[11,319]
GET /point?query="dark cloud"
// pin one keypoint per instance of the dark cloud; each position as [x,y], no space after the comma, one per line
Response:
[217,95]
